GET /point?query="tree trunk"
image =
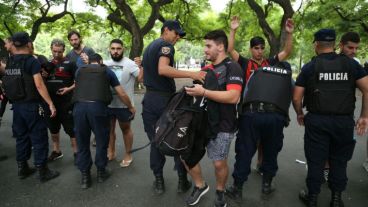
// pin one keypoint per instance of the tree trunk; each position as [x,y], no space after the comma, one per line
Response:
[137,46]
[274,41]
[130,22]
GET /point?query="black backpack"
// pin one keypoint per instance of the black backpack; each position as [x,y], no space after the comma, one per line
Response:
[175,129]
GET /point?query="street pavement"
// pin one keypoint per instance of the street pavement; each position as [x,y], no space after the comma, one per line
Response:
[132,186]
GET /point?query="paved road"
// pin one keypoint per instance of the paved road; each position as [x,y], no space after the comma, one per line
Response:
[132,186]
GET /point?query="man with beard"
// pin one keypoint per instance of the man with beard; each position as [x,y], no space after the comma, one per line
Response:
[126,71]
[79,51]
[230,81]
[349,44]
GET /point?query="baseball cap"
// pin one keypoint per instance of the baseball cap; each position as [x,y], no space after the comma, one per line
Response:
[174,25]
[20,39]
[326,35]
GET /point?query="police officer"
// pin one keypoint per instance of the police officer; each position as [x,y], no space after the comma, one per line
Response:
[349,45]
[265,106]
[24,86]
[257,59]
[159,74]
[327,83]
[60,84]
[91,113]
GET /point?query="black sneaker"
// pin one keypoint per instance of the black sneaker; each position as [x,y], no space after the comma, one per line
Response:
[55,156]
[220,199]
[196,195]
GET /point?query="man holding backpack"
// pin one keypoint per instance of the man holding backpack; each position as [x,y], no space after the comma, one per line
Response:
[158,76]
[229,80]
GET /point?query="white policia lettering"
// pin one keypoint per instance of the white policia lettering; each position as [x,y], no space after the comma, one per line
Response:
[13,72]
[333,76]
[276,70]
[232,78]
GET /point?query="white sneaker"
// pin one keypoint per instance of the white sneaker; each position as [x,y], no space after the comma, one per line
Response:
[365,165]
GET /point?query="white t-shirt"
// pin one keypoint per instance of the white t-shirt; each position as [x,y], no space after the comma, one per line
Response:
[126,70]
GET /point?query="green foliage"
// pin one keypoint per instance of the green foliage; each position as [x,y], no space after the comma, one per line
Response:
[197,18]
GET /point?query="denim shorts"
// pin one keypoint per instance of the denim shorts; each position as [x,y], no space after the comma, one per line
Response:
[218,148]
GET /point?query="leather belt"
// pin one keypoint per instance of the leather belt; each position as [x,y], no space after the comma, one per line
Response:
[261,107]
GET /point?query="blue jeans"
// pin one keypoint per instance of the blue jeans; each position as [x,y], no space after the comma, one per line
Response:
[91,116]
[30,130]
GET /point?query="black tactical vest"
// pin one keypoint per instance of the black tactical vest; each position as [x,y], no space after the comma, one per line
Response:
[331,89]
[19,86]
[270,84]
[92,84]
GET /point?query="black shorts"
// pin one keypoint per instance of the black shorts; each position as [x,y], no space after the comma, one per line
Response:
[121,114]
[64,117]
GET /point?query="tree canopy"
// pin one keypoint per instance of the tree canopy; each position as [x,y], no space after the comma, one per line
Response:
[139,22]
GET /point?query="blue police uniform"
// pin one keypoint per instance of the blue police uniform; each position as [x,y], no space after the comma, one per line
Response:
[261,110]
[91,114]
[159,90]
[29,125]
[329,135]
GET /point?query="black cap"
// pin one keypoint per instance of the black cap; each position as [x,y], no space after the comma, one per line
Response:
[325,35]
[20,39]
[174,25]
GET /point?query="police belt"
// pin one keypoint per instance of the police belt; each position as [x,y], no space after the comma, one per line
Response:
[262,107]
[157,92]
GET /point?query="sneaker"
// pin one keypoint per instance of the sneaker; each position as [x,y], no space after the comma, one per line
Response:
[220,199]
[55,156]
[326,172]
[196,195]
[365,165]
